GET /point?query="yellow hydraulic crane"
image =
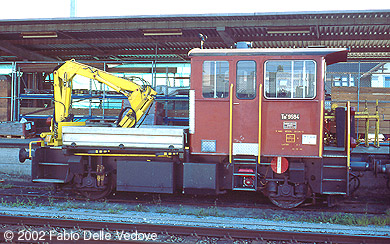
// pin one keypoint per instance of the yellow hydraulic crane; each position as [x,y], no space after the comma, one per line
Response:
[140,97]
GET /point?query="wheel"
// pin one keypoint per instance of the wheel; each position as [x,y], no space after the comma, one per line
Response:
[287,195]
[286,203]
[95,193]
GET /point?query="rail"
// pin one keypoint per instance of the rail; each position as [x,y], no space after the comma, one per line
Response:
[231,233]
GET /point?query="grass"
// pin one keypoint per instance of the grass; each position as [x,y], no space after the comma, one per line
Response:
[210,211]
[115,209]
[354,220]
[181,210]
[6,186]
[335,218]
[19,203]
[50,199]
[141,208]
[68,205]
[161,210]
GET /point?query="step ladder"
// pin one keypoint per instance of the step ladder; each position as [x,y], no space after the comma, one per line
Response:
[334,174]
[41,173]
[244,173]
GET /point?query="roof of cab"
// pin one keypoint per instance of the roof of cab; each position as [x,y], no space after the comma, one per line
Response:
[332,55]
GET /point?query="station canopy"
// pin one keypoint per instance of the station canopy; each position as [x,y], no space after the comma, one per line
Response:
[170,38]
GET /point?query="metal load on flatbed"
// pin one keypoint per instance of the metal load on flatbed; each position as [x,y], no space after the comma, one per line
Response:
[155,137]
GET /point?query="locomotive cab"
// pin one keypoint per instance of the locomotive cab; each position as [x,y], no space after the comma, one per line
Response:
[260,113]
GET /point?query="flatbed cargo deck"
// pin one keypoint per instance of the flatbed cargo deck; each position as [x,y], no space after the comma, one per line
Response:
[148,137]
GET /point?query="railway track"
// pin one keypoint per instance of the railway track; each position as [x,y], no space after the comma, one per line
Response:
[105,231]
[248,202]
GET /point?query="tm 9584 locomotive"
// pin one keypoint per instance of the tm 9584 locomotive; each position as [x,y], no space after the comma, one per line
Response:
[256,123]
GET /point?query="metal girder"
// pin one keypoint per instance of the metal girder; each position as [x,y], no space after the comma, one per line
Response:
[227,39]
[22,53]
[82,42]
[93,52]
[117,40]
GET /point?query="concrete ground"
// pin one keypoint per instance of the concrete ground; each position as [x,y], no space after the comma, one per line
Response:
[9,157]
[9,162]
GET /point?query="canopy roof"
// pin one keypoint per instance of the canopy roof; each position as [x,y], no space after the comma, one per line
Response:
[170,38]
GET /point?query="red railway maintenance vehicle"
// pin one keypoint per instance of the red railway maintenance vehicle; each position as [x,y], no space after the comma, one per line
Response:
[256,123]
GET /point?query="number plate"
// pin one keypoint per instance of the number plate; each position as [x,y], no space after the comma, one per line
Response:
[289,116]
[289,125]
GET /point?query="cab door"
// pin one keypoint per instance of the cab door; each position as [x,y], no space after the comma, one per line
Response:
[292,108]
[245,109]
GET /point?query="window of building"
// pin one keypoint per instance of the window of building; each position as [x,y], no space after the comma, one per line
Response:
[337,81]
[246,80]
[215,82]
[351,80]
[387,81]
[344,81]
[289,79]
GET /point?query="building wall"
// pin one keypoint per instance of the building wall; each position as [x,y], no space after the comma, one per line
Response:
[5,101]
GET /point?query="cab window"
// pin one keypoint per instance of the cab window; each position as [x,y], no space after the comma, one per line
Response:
[246,80]
[215,79]
[290,79]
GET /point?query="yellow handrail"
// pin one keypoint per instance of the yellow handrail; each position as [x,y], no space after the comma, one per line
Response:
[376,143]
[348,134]
[30,147]
[230,123]
[260,100]
[321,142]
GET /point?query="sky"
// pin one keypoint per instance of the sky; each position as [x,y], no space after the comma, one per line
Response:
[37,9]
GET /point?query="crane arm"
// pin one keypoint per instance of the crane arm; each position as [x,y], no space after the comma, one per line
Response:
[140,97]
